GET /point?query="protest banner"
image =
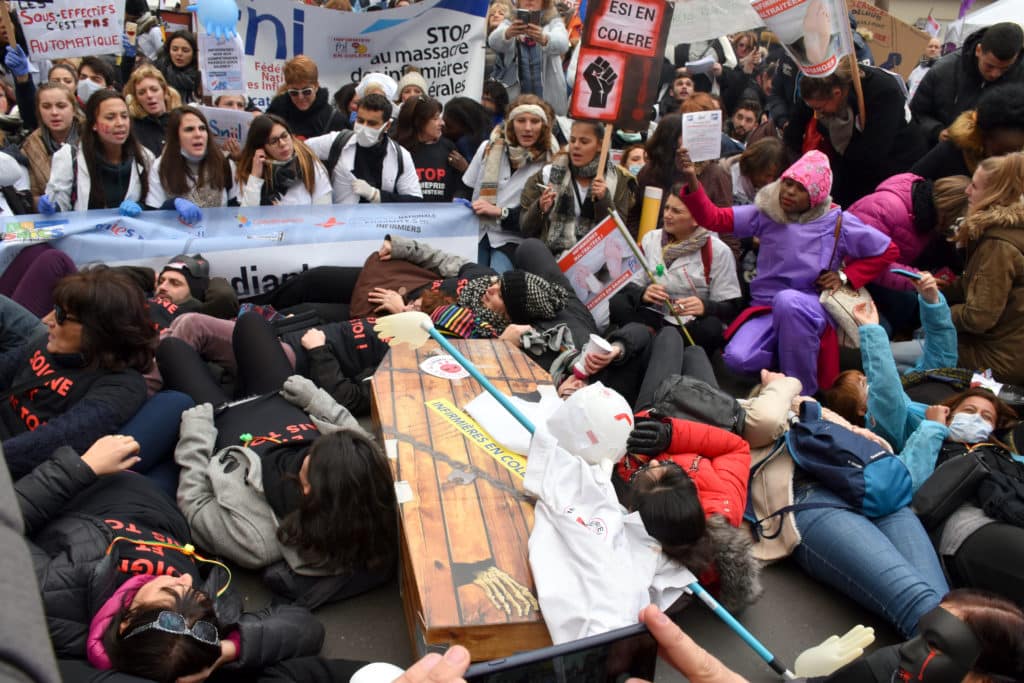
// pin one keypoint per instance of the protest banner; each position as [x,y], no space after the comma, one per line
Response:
[71,28]
[220,63]
[897,46]
[172,21]
[619,64]
[443,38]
[254,248]
[815,33]
[694,20]
[227,124]
[599,265]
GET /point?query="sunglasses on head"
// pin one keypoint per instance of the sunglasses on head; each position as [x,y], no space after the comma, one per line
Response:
[172,622]
[646,466]
[62,316]
[305,92]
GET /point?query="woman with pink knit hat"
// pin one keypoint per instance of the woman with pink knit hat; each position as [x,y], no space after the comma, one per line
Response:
[808,245]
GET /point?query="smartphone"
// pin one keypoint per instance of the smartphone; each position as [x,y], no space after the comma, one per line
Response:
[605,658]
[905,273]
[528,17]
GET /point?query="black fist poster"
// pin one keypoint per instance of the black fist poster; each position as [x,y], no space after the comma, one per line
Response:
[619,62]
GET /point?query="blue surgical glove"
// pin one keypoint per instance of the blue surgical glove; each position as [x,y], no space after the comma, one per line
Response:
[464,202]
[218,17]
[47,206]
[16,61]
[130,208]
[188,213]
[129,47]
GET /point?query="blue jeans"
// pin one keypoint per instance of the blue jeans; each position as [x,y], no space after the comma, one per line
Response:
[888,564]
[487,255]
[155,427]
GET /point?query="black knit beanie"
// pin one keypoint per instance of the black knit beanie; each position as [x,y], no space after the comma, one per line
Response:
[196,271]
[530,297]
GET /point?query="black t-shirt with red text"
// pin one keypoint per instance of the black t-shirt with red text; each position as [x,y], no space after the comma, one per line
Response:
[439,182]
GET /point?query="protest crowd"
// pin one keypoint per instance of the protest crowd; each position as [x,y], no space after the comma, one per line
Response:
[844,274]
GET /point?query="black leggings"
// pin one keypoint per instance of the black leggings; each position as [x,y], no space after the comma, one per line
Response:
[992,559]
[325,289]
[262,365]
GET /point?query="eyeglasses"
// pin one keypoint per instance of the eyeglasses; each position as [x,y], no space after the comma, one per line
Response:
[305,92]
[646,466]
[172,622]
[62,316]
[280,138]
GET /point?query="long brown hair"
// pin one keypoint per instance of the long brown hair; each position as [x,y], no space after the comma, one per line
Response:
[175,173]
[92,150]
[259,132]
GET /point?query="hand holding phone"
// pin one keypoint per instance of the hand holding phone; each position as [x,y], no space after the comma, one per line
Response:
[905,273]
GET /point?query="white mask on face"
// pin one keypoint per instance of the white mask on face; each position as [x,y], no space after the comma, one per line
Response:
[87,88]
[969,428]
[366,136]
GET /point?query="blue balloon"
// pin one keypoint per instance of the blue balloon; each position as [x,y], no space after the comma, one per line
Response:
[218,17]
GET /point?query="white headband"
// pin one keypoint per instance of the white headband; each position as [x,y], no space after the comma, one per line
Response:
[534,109]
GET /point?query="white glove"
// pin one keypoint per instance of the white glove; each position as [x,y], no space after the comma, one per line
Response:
[834,653]
[366,190]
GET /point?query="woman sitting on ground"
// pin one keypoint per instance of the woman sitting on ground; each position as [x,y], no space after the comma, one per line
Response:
[696,280]
[576,194]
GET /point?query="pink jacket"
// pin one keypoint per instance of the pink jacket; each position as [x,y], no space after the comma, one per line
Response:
[889,208]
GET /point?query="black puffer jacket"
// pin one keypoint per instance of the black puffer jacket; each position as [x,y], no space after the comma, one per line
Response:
[320,118]
[71,518]
[954,85]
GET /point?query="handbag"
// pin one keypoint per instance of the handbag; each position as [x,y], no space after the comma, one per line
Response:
[691,399]
[839,303]
[952,484]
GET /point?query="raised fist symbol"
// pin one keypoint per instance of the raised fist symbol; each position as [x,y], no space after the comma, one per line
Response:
[600,77]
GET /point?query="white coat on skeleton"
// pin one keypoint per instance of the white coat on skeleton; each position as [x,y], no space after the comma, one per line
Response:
[594,564]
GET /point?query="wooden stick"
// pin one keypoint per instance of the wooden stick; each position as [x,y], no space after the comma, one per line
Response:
[5,10]
[855,67]
[605,147]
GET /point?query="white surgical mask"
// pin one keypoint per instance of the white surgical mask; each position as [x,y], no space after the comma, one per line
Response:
[87,88]
[366,136]
[969,428]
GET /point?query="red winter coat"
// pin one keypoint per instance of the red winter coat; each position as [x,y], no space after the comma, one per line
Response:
[717,461]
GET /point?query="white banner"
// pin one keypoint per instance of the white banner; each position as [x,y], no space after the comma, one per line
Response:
[71,28]
[253,247]
[443,38]
[694,20]
[815,33]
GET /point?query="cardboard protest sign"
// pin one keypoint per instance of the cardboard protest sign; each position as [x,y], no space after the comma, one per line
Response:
[598,266]
[619,62]
[896,46]
[71,28]
[815,33]
[221,65]
[694,20]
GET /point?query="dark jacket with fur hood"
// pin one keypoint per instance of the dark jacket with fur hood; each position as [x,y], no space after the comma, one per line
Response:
[987,303]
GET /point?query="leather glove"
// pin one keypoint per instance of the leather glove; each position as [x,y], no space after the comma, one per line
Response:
[366,190]
[299,391]
[130,208]
[188,213]
[47,206]
[649,437]
[128,46]
[16,61]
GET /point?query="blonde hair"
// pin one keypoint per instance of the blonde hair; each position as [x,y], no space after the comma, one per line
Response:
[950,199]
[1004,182]
[172,100]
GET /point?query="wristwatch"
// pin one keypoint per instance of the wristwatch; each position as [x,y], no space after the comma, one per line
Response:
[504,213]
[842,278]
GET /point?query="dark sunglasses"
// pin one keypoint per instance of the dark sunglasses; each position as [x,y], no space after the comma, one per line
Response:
[172,622]
[62,316]
[305,92]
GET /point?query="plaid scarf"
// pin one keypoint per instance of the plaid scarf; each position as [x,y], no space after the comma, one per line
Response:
[531,68]
[566,227]
[670,250]
[487,322]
